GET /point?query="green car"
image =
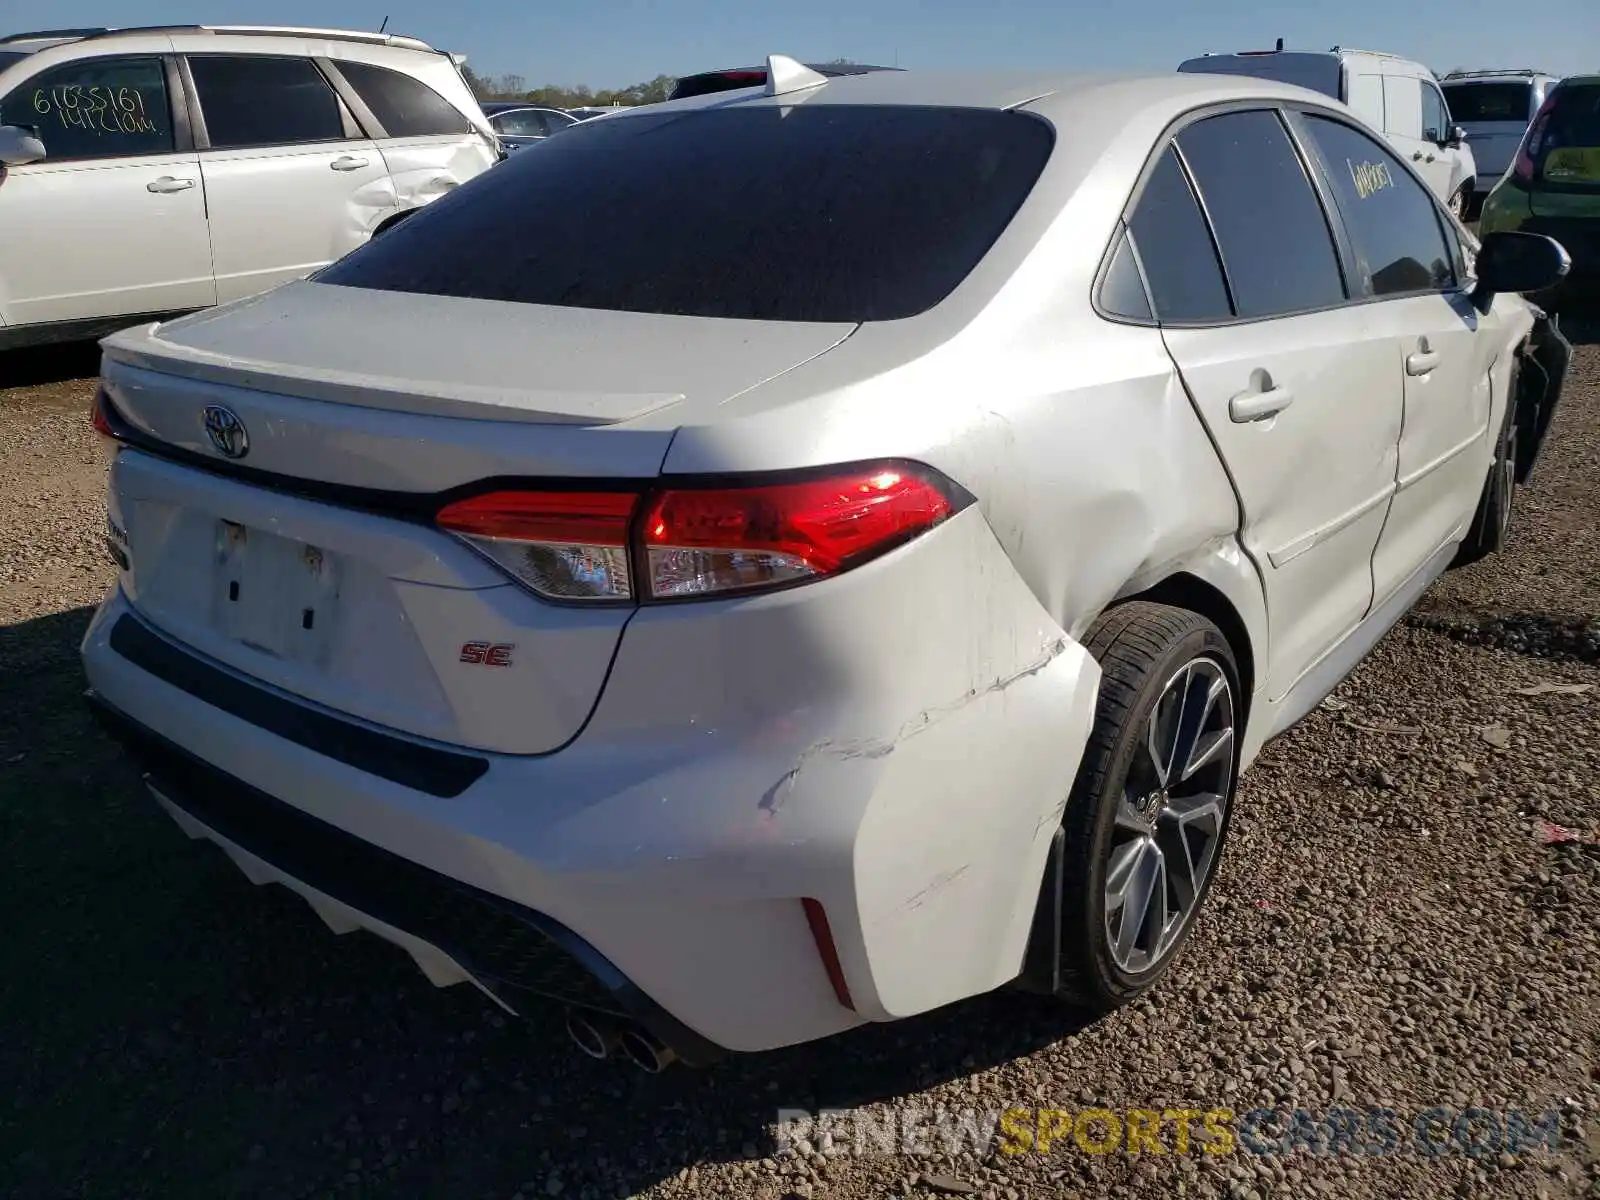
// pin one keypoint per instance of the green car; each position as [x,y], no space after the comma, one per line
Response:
[1553,186]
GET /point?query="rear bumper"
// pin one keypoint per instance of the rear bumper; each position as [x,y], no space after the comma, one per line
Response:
[455,932]
[895,744]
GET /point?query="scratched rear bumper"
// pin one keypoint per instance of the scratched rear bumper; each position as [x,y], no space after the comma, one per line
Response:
[896,744]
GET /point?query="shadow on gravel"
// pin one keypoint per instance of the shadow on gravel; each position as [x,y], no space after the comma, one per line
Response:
[1556,636]
[171,1030]
[1580,321]
[49,364]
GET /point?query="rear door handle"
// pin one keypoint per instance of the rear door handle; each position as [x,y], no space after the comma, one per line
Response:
[168,184]
[1421,362]
[348,162]
[1259,405]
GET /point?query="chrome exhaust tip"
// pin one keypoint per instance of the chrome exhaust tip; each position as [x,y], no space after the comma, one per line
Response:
[593,1035]
[645,1052]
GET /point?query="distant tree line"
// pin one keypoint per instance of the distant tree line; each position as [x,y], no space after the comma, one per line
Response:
[515,87]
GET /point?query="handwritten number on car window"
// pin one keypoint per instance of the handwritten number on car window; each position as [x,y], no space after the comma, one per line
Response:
[97,110]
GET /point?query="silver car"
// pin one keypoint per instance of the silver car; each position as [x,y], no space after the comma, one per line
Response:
[801,556]
[1495,108]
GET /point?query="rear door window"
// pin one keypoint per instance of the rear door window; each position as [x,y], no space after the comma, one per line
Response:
[1175,247]
[1392,219]
[96,108]
[807,213]
[406,106]
[1277,250]
[254,100]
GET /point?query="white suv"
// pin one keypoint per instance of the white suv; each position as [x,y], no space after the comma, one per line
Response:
[1399,98]
[151,171]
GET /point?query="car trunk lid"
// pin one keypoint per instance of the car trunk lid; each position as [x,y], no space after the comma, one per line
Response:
[284,464]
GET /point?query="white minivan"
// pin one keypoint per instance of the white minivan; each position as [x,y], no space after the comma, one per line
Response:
[159,170]
[1399,98]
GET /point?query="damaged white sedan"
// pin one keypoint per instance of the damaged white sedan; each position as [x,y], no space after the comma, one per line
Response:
[799,557]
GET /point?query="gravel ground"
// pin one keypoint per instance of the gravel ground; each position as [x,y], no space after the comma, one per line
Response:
[1390,928]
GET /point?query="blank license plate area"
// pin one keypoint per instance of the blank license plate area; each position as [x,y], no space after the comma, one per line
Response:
[274,594]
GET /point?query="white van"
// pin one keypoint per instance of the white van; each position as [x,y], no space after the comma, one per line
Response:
[1399,98]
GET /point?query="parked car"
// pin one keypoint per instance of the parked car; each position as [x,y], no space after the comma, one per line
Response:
[602,110]
[158,170]
[520,124]
[1553,186]
[733,78]
[1399,98]
[1495,108]
[828,560]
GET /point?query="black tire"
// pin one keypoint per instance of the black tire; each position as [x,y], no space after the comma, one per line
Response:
[1461,202]
[1490,531]
[1140,647]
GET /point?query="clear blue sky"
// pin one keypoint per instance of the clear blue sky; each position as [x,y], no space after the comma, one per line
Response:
[612,43]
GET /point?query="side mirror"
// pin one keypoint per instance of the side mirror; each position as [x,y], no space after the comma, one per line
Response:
[19,146]
[1457,137]
[1518,262]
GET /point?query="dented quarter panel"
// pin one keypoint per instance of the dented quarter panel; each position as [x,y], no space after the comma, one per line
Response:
[1074,433]
[423,169]
[909,774]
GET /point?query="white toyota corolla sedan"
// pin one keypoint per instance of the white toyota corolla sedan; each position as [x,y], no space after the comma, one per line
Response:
[802,556]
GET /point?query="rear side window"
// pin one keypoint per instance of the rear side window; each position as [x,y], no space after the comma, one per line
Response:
[96,108]
[1489,101]
[406,106]
[1180,262]
[1392,218]
[807,213]
[258,101]
[1122,293]
[1277,250]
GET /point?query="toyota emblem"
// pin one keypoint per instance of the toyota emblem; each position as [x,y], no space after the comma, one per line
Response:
[226,432]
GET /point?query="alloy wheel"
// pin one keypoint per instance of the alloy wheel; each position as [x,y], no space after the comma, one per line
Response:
[1170,817]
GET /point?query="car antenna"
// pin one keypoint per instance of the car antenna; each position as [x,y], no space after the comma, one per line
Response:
[1279,48]
[785,75]
[385,24]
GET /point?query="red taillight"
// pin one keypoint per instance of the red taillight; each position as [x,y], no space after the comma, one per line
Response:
[581,546]
[97,414]
[563,545]
[700,541]
[1522,165]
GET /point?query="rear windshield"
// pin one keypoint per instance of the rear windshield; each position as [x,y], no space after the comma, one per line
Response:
[806,213]
[1566,146]
[1489,101]
[1319,72]
[717,81]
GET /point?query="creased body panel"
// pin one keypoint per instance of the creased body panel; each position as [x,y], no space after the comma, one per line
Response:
[679,832]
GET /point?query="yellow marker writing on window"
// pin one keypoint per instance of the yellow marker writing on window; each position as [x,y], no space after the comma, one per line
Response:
[1370,177]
